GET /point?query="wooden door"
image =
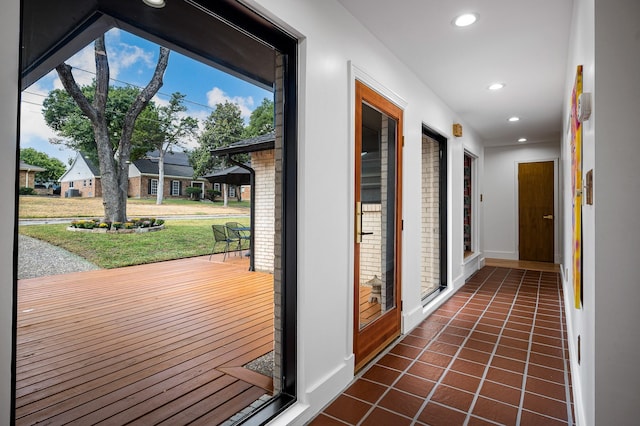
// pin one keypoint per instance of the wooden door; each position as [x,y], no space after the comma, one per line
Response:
[535,211]
[378,220]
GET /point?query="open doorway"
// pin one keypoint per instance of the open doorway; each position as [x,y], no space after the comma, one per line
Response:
[50,36]
[434,214]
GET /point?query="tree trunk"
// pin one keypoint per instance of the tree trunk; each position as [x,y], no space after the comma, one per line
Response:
[160,195]
[225,194]
[114,163]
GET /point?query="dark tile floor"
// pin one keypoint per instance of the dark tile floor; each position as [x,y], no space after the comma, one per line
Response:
[495,353]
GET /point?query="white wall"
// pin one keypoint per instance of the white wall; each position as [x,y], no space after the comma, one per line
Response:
[616,177]
[606,42]
[80,170]
[331,38]
[500,201]
[580,322]
[9,22]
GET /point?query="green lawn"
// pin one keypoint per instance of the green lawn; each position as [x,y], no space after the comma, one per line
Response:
[179,239]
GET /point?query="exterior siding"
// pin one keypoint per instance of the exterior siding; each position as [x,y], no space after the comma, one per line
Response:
[263,162]
[88,188]
[139,186]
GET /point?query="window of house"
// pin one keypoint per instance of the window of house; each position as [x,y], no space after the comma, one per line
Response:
[216,186]
[71,184]
[153,186]
[84,182]
[175,187]
[232,191]
[90,182]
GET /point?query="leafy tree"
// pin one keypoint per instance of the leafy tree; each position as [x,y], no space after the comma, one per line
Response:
[261,120]
[54,167]
[223,127]
[170,133]
[113,144]
[63,115]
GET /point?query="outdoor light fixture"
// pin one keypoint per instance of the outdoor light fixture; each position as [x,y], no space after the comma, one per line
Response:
[465,19]
[513,119]
[496,86]
[154,3]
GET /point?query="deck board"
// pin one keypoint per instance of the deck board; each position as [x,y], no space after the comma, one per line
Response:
[145,342]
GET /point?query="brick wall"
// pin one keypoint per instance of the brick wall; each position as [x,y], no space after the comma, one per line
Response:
[30,182]
[88,188]
[263,162]
[370,247]
[430,245]
[139,187]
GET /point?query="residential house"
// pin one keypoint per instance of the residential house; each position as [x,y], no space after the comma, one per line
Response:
[438,78]
[178,175]
[82,179]
[28,174]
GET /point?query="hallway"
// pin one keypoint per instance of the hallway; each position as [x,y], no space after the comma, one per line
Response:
[495,353]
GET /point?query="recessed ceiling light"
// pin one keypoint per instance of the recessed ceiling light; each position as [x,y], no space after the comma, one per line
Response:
[522,140]
[496,86]
[465,19]
[154,3]
[513,119]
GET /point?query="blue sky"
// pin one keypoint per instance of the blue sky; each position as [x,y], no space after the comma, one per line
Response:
[132,60]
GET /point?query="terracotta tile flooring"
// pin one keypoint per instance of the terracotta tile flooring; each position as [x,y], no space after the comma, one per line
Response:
[494,353]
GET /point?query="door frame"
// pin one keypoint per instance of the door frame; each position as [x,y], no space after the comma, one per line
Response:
[260,27]
[443,197]
[556,210]
[365,78]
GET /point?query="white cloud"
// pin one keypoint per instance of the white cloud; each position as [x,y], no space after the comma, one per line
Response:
[34,132]
[32,124]
[218,96]
[122,56]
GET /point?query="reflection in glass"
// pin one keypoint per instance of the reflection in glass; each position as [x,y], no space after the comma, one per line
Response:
[377,214]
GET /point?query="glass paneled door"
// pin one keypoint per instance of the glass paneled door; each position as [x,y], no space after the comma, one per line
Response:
[378,223]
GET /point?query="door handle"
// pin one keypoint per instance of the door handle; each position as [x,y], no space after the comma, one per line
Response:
[548,216]
[359,232]
[358,222]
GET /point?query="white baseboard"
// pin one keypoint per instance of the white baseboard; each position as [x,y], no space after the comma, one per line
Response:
[318,395]
[507,255]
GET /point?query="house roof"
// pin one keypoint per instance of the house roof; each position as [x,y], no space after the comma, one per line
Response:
[258,143]
[92,166]
[234,175]
[95,170]
[175,164]
[31,168]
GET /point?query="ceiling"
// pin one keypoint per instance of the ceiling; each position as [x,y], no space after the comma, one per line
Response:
[54,31]
[521,43]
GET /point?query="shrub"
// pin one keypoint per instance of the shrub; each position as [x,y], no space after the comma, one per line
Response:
[25,190]
[212,194]
[159,222]
[193,192]
[104,225]
[129,225]
[117,225]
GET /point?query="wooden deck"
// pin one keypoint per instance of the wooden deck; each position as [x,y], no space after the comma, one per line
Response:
[153,344]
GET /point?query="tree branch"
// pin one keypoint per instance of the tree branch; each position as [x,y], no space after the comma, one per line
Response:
[102,75]
[72,88]
[147,93]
